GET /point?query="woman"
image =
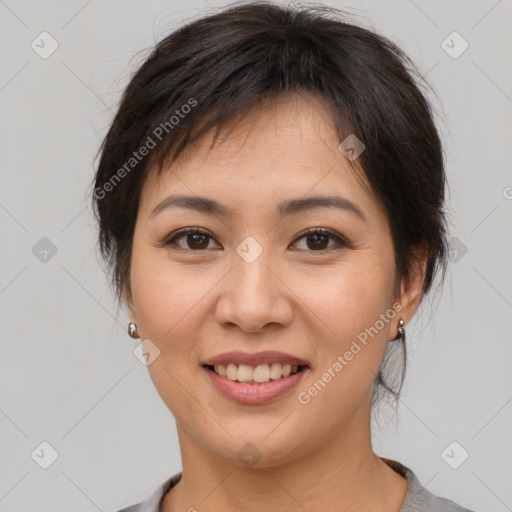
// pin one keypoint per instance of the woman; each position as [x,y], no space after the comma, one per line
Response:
[270,200]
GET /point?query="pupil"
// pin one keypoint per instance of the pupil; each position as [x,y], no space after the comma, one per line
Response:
[316,238]
[196,239]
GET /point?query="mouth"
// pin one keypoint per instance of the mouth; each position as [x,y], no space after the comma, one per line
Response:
[255,378]
[259,385]
[255,375]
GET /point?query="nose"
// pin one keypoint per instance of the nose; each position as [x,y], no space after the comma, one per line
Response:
[254,297]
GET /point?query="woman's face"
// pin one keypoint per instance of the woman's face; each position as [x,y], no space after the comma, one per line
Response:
[256,282]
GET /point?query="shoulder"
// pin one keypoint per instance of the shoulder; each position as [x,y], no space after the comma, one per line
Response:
[152,503]
[419,499]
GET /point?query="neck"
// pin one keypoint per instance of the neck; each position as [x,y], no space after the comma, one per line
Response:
[343,474]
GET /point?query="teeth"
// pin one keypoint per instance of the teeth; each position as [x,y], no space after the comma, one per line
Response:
[258,374]
[244,373]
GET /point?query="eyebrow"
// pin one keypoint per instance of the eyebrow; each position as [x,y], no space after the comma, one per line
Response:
[288,207]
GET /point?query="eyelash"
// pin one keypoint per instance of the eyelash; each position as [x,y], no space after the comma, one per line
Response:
[341,242]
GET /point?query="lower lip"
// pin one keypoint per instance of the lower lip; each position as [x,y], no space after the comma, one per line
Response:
[255,393]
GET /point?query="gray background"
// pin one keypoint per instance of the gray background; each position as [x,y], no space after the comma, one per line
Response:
[67,372]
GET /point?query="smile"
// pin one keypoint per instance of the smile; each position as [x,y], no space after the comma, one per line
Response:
[255,374]
[251,391]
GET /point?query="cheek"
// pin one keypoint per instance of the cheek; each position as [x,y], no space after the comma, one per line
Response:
[169,299]
[353,307]
[349,297]
[349,352]
[169,312]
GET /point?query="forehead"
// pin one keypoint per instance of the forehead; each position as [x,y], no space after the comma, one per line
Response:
[284,147]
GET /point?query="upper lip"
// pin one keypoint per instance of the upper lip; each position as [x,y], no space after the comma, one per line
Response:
[258,358]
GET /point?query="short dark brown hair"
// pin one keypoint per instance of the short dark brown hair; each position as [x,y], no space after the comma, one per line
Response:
[213,70]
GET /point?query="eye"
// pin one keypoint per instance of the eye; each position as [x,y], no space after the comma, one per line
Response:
[319,238]
[196,239]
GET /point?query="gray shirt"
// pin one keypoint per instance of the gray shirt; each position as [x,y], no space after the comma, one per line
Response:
[417,498]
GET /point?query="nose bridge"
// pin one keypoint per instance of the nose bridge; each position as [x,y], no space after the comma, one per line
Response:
[253,296]
[251,271]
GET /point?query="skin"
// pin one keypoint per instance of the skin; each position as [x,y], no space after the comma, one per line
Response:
[196,303]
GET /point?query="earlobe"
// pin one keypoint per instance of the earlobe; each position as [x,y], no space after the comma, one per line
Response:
[132,326]
[400,331]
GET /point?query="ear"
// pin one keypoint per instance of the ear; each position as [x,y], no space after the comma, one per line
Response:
[411,289]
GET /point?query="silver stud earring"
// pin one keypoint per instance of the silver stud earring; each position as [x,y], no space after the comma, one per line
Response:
[401,331]
[132,330]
